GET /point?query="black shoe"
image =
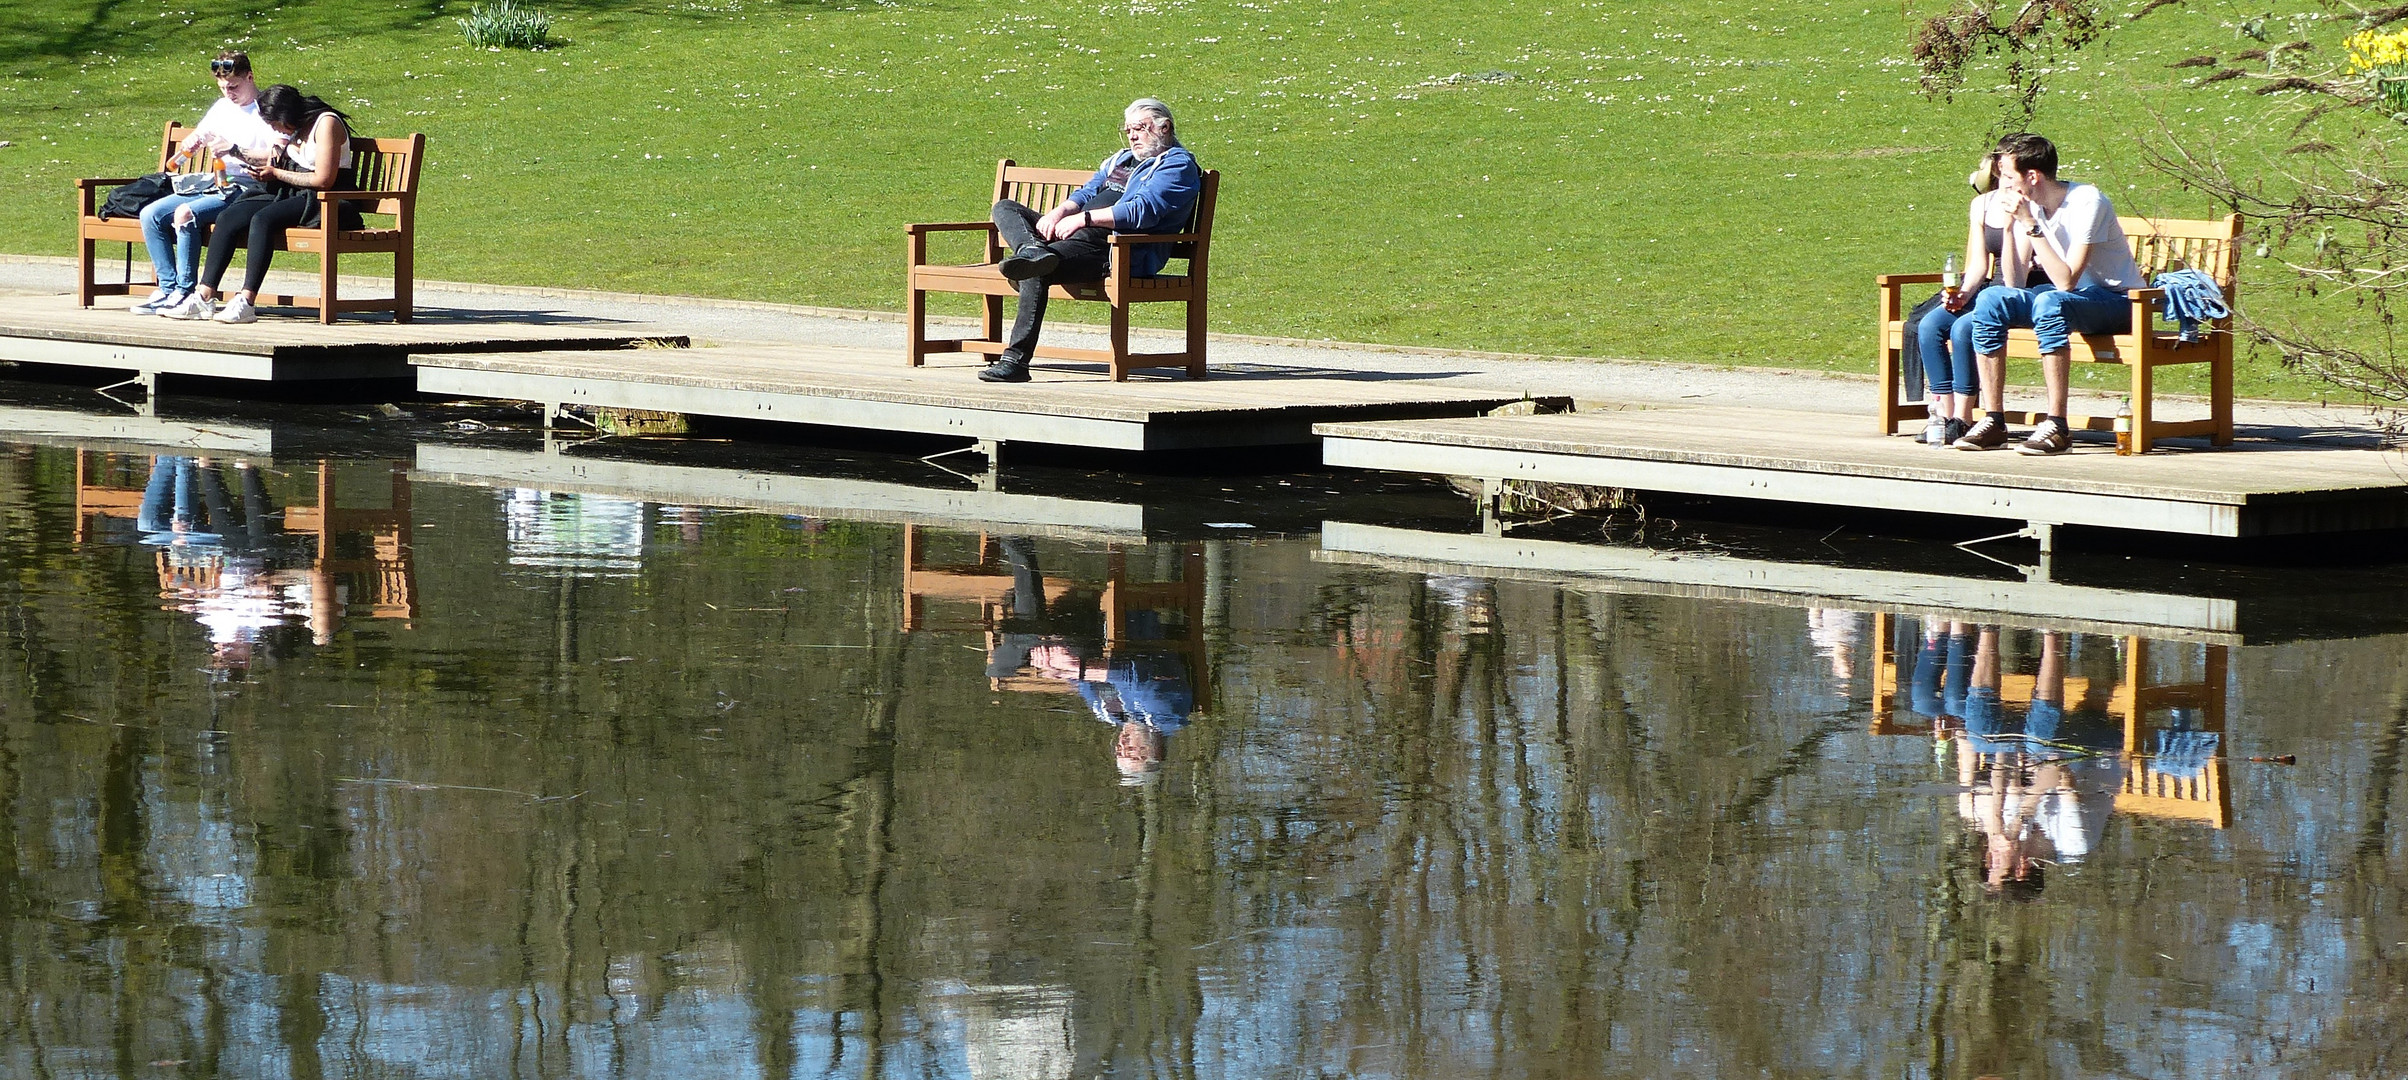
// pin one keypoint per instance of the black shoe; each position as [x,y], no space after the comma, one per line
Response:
[1004,369]
[1032,260]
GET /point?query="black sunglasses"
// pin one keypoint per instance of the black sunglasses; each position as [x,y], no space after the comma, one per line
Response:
[224,67]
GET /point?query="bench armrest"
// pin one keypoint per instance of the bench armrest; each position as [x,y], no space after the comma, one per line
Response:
[334,196]
[88,183]
[2143,296]
[1886,280]
[1120,240]
[947,226]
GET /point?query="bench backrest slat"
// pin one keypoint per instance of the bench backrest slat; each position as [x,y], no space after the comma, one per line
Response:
[1045,188]
[376,164]
[2212,246]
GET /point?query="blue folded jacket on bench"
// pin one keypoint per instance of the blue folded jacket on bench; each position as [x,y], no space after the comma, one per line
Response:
[2191,298]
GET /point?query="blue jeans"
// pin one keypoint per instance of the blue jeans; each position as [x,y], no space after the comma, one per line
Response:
[176,253]
[2054,315]
[1946,341]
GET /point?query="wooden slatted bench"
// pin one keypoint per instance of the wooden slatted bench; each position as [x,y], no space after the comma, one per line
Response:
[2158,245]
[1043,189]
[385,175]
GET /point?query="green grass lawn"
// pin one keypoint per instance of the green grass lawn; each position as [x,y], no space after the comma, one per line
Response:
[1681,181]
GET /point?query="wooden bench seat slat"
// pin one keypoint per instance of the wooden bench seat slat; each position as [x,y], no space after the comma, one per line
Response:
[1044,189]
[2159,245]
[385,172]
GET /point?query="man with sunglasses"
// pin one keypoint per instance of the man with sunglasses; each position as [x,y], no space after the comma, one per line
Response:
[172,224]
[1148,187]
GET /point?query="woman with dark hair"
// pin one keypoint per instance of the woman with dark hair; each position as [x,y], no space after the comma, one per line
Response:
[317,158]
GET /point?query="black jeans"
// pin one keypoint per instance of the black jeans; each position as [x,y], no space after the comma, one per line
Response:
[1085,256]
[260,220]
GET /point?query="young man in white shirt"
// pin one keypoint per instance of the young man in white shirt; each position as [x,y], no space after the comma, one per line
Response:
[2078,244]
[171,224]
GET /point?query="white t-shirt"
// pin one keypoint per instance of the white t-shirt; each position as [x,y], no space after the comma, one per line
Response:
[2086,220]
[304,148]
[240,125]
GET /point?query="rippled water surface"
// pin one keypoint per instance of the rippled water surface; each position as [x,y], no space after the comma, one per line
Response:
[367,769]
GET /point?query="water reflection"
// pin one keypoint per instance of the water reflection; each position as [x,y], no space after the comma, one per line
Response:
[240,560]
[2139,723]
[742,791]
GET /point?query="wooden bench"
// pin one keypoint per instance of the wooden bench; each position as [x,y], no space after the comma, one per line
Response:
[385,172]
[2158,245]
[1043,189]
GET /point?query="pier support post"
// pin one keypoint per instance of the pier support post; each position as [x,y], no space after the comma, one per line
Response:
[1492,506]
[148,381]
[992,450]
[2045,532]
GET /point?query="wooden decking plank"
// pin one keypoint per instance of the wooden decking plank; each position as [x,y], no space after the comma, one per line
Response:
[875,375]
[1810,442]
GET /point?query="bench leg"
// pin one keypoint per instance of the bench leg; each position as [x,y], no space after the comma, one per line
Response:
[2143,407]
[404,276]
[2219,392]
[326,289]
[915,323]
[1120,343]
[991,319]
[85,257]
[1195,338]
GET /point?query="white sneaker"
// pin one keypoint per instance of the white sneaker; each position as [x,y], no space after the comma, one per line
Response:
[238,310]
[157,300]
[193,308]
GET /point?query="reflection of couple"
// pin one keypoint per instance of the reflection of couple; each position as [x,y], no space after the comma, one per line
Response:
[2037,787]
[216,543]
[1146,696]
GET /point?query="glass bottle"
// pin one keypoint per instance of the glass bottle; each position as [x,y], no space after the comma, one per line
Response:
[1948,280]
[2123,428]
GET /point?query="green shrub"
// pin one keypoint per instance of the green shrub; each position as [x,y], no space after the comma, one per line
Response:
[506,24]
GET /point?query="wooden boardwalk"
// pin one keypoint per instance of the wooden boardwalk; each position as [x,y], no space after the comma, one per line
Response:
[836,498]
[871,389]
[283,348]
[2234,609]
[2254,488]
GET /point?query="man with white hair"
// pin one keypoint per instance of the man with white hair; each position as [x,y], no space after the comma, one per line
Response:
[1148,187]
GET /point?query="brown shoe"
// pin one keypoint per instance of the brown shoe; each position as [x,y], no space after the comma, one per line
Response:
[1985,434]
[2049,438]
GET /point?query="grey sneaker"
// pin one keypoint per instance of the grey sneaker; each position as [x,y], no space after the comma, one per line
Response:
[1985,434]
[2049,438]
[1955,430]
[158,299]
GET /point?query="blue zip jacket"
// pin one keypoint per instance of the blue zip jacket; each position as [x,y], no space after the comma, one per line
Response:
[1161,198]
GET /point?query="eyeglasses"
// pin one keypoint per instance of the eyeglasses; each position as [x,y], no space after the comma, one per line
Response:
[224,67]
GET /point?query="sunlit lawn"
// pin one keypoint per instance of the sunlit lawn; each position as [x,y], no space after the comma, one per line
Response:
[1685,181]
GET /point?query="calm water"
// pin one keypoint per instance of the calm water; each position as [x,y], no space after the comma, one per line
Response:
[486,780]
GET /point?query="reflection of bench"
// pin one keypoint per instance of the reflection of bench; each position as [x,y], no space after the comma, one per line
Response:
[385,183]
[1044,189]
[384,565]
[2149,787]
[2158,245]
[1120,597]
[986,581]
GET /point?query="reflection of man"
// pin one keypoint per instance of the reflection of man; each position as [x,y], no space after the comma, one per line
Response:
[1146,696]
[2039,792]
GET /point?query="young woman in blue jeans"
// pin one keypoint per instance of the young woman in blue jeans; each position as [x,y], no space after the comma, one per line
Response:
[1951,380]
[171,224]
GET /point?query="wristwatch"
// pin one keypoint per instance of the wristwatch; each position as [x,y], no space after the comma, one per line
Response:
[2034,230]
